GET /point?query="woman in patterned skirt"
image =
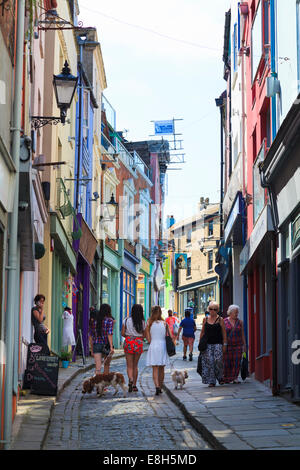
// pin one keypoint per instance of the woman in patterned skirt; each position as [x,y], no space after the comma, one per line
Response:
[212,358]
[133,330]
[236,345]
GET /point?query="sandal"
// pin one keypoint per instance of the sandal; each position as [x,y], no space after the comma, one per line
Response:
[130,384]
[211,385]
[135,389]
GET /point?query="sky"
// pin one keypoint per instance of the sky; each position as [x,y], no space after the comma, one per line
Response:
[163,60]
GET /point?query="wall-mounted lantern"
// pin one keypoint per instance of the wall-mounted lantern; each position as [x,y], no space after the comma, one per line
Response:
[64,86]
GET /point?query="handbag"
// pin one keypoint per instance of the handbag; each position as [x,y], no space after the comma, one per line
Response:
[199,365]
[202,346]
[171,350]
[244,367]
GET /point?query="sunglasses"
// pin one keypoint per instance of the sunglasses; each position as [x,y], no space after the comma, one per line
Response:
[215,309]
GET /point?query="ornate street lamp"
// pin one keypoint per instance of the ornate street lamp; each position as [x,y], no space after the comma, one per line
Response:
[64,87]
[112,206]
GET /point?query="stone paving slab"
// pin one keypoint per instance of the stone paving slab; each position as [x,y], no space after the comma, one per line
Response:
[236,416]
[34,411]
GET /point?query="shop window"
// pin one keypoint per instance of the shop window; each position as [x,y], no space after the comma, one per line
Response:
[205,295]
[141,290]
[128,298]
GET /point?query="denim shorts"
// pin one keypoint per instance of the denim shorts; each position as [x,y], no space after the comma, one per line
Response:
[101,348]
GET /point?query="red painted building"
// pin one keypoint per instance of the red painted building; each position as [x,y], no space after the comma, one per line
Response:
[257,256]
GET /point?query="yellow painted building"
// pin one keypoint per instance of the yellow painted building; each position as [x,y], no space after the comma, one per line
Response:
[195,241]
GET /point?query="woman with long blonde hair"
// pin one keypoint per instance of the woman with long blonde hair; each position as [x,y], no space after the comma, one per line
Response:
[157,356]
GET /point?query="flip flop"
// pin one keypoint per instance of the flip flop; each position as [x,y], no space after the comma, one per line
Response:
[135,389]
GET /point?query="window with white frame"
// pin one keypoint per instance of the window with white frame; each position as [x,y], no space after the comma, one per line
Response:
[256,41]
[144,220]
[235,47]
[298,41]
[110,225]
[258,190]
[210,259]
[128,211]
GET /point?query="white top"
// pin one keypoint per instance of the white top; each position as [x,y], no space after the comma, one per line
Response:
[129,328]
[68,329]
[157,352]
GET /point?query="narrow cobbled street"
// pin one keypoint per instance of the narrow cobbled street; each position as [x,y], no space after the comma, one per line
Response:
[141,421]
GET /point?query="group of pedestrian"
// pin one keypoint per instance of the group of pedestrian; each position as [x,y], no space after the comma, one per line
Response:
[225,340]
[220,361]
[134,330]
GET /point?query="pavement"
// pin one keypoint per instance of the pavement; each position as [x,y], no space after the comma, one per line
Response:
[243,416]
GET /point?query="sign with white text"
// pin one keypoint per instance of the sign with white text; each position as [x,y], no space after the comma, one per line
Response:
[164,127]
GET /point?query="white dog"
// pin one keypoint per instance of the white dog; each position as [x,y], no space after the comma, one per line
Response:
[179,377]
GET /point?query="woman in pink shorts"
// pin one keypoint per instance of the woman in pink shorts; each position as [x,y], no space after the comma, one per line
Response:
[133,330]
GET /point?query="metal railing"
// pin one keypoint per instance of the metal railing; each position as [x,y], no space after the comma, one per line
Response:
[109,111]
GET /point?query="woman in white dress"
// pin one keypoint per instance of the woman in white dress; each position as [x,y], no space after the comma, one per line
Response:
[157,355]
[68,328]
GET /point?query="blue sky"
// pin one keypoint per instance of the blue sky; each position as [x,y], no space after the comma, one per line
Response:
[152,76]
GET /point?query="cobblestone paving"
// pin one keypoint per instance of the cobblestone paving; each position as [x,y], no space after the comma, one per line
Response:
[139,421]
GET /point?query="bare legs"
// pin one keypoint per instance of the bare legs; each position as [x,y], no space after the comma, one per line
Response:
[132,361]
[98,363]
[158,377]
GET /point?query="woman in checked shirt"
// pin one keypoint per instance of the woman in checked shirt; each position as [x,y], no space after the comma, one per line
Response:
[101,332]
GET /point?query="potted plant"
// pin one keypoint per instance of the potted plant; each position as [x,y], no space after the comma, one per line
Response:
[65,357]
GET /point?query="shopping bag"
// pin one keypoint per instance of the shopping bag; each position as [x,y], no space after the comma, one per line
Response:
[199,365]
[244,367]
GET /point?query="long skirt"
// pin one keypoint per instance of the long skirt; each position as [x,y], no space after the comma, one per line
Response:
[232,362]
[212,364]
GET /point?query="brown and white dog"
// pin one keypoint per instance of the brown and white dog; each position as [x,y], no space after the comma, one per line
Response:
[179,377]
[100,381]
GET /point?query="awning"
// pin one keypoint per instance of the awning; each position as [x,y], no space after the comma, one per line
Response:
[263,225]
[62,243]
[233,227]
[88,242]
[195,285]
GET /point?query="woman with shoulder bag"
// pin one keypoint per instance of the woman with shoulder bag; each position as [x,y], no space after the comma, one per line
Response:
[133,329]
[157,356]
[101,331]
[213,329]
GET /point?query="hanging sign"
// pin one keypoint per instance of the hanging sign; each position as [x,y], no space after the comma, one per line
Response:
[164,127]
[180,260]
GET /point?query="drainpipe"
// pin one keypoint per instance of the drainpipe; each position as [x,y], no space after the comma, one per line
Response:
[12,275]
[273,65]
[220,104]
[274,213]
[244,51]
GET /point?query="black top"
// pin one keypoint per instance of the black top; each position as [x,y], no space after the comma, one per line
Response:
[214,332]
[36,324]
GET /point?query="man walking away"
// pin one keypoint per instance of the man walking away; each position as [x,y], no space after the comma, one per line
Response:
[188,326]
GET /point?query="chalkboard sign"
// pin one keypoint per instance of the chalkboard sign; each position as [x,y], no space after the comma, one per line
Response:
[45,375]
[34,350]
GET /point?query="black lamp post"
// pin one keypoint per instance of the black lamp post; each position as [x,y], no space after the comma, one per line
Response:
[64,86]
[112,206]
